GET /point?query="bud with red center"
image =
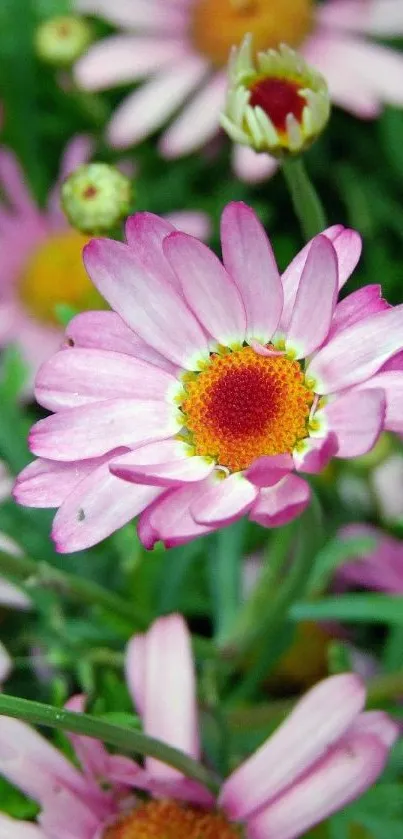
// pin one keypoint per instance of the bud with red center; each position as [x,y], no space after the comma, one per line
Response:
[277,104]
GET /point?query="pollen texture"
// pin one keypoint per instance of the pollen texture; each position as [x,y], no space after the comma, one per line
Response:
[217,25]
[55,275]
[244,405]
[170,820]
[278,98]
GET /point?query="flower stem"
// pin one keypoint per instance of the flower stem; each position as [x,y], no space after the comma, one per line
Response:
[307,204]
[126,739]
[225,558]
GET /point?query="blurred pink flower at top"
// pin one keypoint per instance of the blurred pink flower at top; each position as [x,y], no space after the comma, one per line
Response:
[326,754]
[181,48]
[41,260]
[212,386]
[380,568]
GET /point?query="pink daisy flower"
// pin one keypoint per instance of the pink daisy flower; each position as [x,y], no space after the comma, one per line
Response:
[211,387]
[381,568]
[181,47]
[41,260]
[327,753]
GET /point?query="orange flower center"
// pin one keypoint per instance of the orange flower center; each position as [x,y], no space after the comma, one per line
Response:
[217,25]
[244,405]
[55,275]
[171,820]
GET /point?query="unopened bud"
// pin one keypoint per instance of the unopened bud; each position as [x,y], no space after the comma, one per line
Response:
[96,197]
[62,40]
[276,103]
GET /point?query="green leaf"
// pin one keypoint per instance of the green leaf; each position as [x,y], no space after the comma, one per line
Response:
[356,608]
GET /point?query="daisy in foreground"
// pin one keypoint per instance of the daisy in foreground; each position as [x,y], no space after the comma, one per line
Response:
[41,264]
[326,753]
[211,387]
[181,50]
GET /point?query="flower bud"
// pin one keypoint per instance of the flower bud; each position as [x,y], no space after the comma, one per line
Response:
[96,197]
[62,40]
[276,103]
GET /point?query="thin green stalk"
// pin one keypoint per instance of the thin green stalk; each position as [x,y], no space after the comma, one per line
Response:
[225,559]
[307,204]
[269,635]
[260,601]
[126,739]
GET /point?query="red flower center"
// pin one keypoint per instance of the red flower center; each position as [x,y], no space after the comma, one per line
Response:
[244,405]
[278,98]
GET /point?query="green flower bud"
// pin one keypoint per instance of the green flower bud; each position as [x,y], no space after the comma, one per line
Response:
[276,102]
[96,198]
[62,40]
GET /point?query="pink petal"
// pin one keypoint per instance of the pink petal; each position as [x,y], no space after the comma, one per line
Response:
[387,480]
[135,671]
[333,55]
[379,724]
[145,110]
[195,223]
[315,300]
[249,260]
[12,596]
[145,233]
[357,306]
[5,666]
[66,816]
[80,377]
[13,180]
[169,689]
[225,500]
[166,463]
[92,430]
[107,331]
[120,59]
[148,305]
[46,483]
[169,519]
[347,244]
[380,68]
[207,288]
[147,15]
[17,829]
[33,764]
[314,726]
[199,120]
[391,382]
[344,774]
[357,419]
[99,505]
[358,352]
[252,167]
[269,470]
[316,453]
[378,17]
[281,503]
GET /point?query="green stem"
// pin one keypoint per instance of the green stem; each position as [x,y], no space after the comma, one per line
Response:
[225,558]
[307,204]
[267,638]
[126,739]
